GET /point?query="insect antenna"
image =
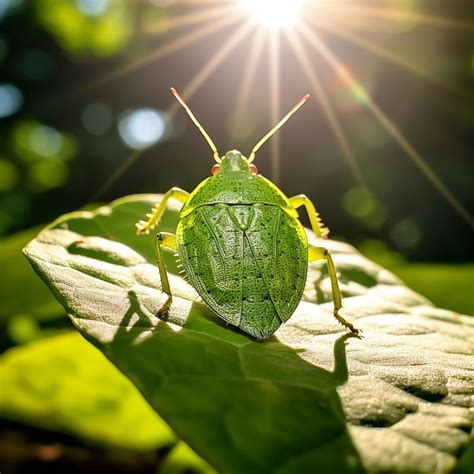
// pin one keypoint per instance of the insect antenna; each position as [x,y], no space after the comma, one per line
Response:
[276,127]
[198,125]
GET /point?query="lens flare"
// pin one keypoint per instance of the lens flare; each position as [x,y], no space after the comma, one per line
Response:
[273,13]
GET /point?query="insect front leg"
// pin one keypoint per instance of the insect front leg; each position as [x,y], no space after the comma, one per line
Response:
[319,253]
[144,227]
[164,239]
[316,224]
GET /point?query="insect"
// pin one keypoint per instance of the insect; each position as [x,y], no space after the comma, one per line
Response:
[241,243]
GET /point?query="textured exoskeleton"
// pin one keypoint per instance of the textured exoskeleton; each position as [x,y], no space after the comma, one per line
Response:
[242,245]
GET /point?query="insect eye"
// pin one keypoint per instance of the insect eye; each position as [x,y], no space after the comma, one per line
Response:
[253,169]
[215,169]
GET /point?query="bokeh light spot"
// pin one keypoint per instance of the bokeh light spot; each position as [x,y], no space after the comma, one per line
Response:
[97,118]
[360,94]
[33,141]
[45,141]
[22,328]
[142,128]
[273,13]
[406,234]
[87,26]
[92,7]
[360,203]
[6,7]
[46,174]
[11,99]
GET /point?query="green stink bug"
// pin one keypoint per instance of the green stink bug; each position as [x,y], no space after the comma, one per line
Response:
[241,243]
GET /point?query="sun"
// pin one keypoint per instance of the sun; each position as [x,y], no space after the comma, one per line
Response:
[273,14]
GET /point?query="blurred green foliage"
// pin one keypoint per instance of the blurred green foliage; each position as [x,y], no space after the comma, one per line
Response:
[446,285]
[44,152]
[182,460]
[80,393]
[87,27]
[37,160]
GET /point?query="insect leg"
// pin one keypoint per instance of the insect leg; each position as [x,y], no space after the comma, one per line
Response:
[319,253]
[316,224]
[144,227]
[164,239]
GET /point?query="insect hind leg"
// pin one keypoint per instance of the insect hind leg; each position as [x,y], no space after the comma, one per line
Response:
[319,253]
[164,239]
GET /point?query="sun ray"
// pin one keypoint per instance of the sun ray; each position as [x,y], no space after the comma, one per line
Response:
[386,55]
[276,127]
[187,19]
[274,65]
[327,108]
[400,15]
[344,74]
[119,171]
[163,51]
[248,77]
[217,58]
[188,91]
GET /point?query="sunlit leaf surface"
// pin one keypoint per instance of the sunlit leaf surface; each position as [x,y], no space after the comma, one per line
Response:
[397,400]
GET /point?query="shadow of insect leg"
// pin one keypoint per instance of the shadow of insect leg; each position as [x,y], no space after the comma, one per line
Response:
[167,240]
[319,253]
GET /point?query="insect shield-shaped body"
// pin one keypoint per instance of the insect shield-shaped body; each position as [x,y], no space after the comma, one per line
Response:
[241,243]
[243,248]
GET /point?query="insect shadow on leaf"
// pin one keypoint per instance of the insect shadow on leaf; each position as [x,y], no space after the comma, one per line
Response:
[202,371]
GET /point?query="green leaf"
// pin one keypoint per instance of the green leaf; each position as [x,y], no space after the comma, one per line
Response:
[39,304]
[64,384]
[311,397]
